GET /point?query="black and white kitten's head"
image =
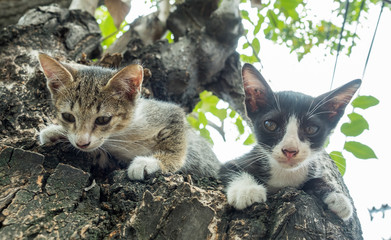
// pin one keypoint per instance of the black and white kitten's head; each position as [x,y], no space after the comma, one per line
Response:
[292,127]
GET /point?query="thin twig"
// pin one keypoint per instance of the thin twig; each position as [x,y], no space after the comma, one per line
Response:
[254,52]
[114,33]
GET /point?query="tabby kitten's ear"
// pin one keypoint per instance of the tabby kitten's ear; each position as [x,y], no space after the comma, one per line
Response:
[127,82]
[257,91]
[57,74]
[334,102]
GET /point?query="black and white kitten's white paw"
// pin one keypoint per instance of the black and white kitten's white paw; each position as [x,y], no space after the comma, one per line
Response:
[51,134]
[340,205]
[141,166]
[243,191]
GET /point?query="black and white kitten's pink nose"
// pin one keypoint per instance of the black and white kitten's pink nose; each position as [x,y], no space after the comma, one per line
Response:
[290,152]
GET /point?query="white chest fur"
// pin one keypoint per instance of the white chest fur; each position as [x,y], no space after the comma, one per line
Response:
[281,177]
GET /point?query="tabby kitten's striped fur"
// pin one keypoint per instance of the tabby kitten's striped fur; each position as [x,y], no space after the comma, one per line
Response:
[99,110]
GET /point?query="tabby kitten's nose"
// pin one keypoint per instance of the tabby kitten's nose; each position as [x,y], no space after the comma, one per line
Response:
[83,145]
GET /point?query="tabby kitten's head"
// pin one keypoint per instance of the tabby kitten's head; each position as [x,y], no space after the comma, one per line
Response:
[292,127]
[92,103]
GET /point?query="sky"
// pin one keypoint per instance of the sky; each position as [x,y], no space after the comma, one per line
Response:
[368,180]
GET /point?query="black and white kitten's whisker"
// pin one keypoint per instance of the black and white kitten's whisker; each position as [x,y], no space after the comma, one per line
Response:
[319,113]
[277,99]
[252,160]
[320,104]
[309,108]
[337,163]
[324,101]
[273,105]
[340,165]
[264,146]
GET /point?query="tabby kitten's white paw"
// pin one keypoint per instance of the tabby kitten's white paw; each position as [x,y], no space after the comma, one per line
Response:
[51,134]
[340,205]
[141,166]
[243,191]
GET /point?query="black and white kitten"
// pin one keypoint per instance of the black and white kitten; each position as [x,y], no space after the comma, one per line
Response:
[291,129]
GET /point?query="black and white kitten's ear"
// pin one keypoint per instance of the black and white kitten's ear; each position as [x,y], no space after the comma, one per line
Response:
[57,74]
[127,82]
[333,103]
[257,91]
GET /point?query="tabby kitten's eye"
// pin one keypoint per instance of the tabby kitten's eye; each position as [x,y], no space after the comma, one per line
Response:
[270,125]
[68,117]
[102,120]
[311,130]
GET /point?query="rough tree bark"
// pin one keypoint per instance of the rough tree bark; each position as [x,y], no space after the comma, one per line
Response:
[11,11]
[55,192]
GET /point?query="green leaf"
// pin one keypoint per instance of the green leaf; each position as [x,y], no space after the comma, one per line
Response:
[246,45]
[232,113]
[356,126]
[256,45]
[339,160]
[193,122]
[239,124]
[220,113]
[170,37]
[209,101]
[106,25]
[250,140]
[248,59]
[206,134]
[202,119]
[244,15]
[365,102]
[205,94]
[259,24]
[327,142]
[359,150]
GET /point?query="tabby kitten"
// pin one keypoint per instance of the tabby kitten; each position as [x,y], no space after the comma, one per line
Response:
[291,129]
[100,111]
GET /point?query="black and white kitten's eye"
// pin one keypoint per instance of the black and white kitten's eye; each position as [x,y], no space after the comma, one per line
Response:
[103,120]
[68,117]
[311,130]
[270,125]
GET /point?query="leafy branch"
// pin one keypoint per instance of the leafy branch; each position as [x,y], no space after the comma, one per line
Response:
[215,113]
[289,22]
[108,27]
[357,125]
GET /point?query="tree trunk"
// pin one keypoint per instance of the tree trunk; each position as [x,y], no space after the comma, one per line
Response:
[11,11]
[55,192]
